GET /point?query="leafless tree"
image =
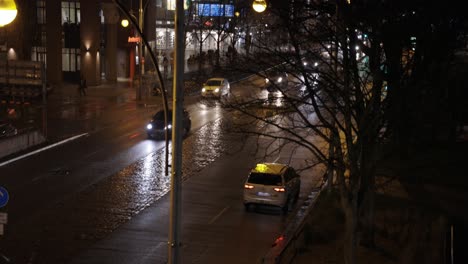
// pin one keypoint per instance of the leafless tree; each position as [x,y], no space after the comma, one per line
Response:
[346,77]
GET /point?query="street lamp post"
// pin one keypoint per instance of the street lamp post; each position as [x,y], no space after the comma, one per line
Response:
[259,5]
[177,106]
[125,24]
[8,12]
[141,60]
[140,50]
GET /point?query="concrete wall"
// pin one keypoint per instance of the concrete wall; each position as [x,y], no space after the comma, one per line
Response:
[20,142]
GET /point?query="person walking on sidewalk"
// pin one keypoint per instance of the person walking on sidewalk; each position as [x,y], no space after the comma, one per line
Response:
[165,65]
[82,87]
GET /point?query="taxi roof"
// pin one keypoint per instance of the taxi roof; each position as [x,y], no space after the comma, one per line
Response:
[216,79]
[270,168]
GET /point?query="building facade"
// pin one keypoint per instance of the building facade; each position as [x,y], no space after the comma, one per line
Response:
[85,39]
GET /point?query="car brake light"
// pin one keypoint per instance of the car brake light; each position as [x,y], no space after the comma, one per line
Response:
[279,189]
[248,186]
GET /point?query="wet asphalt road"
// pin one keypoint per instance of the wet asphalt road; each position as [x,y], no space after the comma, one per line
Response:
[67,198]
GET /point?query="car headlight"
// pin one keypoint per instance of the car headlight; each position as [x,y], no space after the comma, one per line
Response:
[280,79]
[267,80]
[203,90]
[169,126]
[149,126]
[216,90]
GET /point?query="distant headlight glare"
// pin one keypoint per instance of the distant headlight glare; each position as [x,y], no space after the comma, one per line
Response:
[203,90]
[149,126]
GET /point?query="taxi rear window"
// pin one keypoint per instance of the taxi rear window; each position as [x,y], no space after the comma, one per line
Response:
[264,178]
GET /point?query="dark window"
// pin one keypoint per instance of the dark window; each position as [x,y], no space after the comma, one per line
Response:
[39,54]
[160,115]
[213,83]
[70,60]
[288,175]
[265,179]
[71,13]
[41,12]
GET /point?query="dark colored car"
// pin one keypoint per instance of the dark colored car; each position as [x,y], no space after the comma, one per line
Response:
[275,80]
[156,127]
[7,130]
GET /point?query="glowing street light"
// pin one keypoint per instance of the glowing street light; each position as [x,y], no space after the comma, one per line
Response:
[259,5]
[124,23]
[8,12]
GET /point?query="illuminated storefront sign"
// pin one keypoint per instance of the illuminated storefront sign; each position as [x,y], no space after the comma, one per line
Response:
[215,10]
[133,39]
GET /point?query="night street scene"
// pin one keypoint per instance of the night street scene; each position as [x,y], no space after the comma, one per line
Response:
[233,131]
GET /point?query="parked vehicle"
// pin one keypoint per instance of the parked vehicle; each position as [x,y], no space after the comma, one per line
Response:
[7,130]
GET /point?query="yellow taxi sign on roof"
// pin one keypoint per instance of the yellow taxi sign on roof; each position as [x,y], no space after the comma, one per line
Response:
[270,168]
[261,167]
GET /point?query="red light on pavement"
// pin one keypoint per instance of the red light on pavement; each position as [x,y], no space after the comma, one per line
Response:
[134,135]
[279,239]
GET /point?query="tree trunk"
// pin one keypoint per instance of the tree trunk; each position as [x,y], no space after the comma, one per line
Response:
[200,54]
[349,205]
[217,52]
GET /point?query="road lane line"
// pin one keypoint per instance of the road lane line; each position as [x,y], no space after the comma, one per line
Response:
[42,149]
[218,215]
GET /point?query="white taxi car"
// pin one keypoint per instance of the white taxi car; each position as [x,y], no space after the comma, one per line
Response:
[272,184]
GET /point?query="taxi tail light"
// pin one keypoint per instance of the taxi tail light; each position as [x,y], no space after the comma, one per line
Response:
[248,186]
[279,189]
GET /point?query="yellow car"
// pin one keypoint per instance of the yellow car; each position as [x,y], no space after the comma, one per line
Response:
[216,87]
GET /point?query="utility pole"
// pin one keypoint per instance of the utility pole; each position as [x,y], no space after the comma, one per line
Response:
[177,113]
[140,51]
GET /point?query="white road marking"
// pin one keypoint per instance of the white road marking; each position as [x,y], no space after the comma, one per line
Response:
[42,149]
[218,215]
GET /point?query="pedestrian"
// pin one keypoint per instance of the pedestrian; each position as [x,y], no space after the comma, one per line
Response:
[82,87]
[165,64]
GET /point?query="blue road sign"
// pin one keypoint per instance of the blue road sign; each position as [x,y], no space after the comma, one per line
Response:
[3,197]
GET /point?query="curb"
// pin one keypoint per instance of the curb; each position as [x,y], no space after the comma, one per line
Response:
[285,247]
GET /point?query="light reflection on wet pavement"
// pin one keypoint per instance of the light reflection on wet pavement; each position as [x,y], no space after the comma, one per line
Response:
[93,213]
